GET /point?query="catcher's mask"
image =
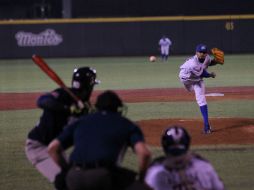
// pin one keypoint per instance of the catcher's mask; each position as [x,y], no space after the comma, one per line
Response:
[175,141]
[110,101]
[84,78]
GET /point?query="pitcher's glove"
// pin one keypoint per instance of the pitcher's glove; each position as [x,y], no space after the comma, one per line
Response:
[218,56]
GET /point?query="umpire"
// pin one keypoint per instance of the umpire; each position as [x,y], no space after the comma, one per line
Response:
[100,140]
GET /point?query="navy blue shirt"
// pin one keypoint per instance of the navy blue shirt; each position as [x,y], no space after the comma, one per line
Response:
[100,137]
[56,112]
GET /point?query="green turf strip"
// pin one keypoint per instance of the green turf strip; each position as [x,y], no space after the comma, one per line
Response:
[156,110]
[22,75]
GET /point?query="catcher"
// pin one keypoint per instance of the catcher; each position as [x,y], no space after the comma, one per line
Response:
[192,73]
[180,168]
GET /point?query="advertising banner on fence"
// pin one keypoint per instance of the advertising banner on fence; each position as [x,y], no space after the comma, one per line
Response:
[123,38]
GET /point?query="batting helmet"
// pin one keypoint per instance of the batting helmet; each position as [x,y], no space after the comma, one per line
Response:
[109,101]
[84,78]
[175,141]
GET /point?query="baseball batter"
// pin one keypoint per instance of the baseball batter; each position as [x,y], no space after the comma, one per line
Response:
[57,109]
[180,168]
[165,44]
[191,75]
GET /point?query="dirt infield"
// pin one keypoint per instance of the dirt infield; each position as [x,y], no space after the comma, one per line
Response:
[226,131]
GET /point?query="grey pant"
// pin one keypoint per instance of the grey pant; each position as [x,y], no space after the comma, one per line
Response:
[38,155]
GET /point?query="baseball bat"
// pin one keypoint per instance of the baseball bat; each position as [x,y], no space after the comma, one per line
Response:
[39,61]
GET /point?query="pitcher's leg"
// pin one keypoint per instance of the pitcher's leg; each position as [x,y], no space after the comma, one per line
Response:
[199,89]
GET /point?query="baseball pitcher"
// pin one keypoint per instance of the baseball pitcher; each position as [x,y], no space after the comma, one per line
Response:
[191,76]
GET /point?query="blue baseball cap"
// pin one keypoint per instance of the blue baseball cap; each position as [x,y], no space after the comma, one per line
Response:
[201,48]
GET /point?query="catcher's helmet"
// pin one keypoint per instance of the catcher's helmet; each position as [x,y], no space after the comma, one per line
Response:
[175,141]
[84,78]
[109,101]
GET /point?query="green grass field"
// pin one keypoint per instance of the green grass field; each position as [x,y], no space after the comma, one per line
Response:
[234,163]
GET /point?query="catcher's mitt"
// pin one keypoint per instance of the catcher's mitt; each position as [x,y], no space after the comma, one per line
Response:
[218,55]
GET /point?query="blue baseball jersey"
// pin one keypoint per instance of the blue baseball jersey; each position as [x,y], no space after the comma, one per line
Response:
[55,115]
[101,136]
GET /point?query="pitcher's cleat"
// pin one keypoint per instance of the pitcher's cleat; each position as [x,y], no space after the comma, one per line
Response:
[209,131]
[210,128]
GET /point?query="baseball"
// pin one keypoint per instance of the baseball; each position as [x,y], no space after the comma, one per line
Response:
[152,58]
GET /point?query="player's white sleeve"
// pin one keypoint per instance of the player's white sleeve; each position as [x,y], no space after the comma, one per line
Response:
[191,69]
[156,178]
[196,70]
[217,183]
[169,43]
[207,176]
[207,61]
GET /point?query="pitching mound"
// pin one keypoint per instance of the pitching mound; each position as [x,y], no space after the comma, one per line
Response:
[225,130]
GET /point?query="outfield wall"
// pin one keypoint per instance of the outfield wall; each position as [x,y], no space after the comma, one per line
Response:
[124,36]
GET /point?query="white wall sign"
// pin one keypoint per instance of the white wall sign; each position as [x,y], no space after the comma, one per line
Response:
[49,37]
